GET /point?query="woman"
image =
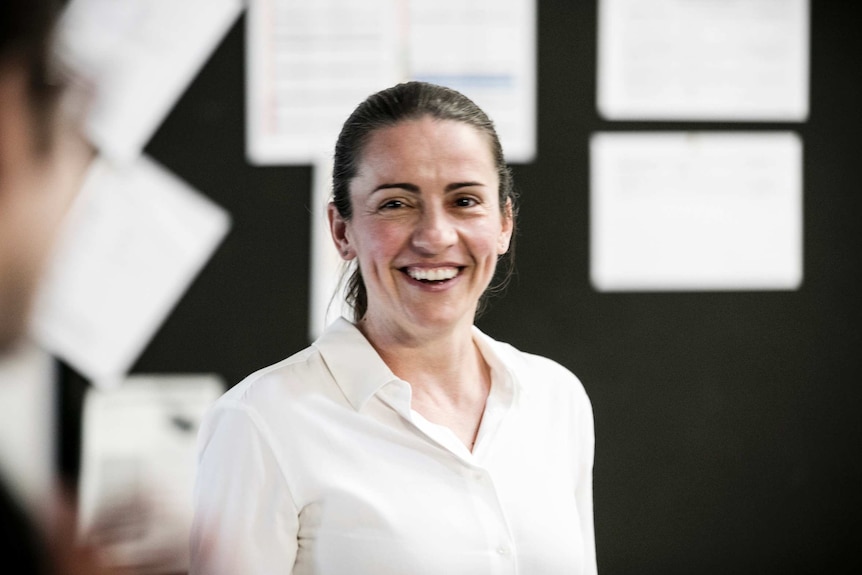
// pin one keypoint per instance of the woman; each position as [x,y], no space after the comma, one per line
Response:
[405,440]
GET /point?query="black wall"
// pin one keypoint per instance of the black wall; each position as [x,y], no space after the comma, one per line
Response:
[728,424]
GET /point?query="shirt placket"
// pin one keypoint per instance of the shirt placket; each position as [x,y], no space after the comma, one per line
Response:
[491,516]
[501,548]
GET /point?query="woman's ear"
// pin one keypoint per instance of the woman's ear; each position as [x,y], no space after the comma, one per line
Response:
[506,229]
[338,229]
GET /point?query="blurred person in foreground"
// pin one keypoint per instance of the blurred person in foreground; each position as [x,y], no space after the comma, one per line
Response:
[405,440]
[40,162]
[43,158]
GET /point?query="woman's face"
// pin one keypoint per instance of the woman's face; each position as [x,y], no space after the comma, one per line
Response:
[427,225]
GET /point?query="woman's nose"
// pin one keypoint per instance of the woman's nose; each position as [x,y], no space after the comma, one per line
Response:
[434,231]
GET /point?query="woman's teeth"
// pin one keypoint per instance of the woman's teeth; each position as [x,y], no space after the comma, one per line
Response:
[433,274]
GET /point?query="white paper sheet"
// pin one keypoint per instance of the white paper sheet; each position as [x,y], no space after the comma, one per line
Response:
[326,291]
[28,380]
[695,211]
[135,239]
[703,60]
[310,63]
[138,464]
[485,49]
[140,55]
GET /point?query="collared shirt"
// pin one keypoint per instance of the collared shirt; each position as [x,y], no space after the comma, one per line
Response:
[318,465]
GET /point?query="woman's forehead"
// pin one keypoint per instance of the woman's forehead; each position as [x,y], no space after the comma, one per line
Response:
[427,143]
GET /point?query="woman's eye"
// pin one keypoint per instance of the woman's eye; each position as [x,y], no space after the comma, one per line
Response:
[466,202]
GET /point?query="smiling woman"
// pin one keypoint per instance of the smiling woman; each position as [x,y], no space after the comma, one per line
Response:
[405,440]
[427,228]
[406,102]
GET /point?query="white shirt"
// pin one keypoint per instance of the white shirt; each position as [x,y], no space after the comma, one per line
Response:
[317,465]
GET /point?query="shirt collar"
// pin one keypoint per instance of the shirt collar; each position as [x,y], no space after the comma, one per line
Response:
[360,373]
[504,360]
[354,363]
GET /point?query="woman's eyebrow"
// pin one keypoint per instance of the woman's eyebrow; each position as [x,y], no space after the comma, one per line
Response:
[415,189]
[400,185]
[458,185]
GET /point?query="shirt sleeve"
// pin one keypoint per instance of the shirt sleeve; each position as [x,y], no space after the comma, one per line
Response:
[245,519]
[584,489]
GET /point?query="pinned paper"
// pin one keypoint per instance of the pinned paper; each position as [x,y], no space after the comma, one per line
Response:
[133,242]
[138,465]
[492,62]
[717,61]
[695,211]
[139,56]
[309,64]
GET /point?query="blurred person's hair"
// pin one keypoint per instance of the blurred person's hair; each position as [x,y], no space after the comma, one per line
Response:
[26,31]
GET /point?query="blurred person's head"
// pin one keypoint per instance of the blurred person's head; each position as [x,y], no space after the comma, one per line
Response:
[42,160]
[41,155]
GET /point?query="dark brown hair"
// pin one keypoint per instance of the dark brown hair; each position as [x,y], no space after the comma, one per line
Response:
[26,28]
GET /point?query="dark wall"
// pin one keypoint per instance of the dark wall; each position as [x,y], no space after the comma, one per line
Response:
[728,424]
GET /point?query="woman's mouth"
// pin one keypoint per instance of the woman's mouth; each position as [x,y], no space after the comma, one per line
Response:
[432,274]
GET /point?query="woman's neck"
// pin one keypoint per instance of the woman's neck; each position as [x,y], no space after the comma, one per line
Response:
[425,354]
[450,379]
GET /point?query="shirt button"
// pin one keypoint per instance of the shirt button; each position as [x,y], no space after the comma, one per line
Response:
[503,551]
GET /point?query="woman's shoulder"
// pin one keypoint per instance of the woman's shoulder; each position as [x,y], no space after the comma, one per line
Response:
[538,361]
[544,368]
[538,371]
[280,380]
[519,359]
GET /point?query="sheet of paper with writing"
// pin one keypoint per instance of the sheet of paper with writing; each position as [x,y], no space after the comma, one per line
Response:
[134,240]
[310,63]
[138,465]
[139,56]
[696,211]
[704,60]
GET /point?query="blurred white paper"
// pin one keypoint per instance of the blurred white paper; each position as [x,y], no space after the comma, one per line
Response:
[703,60]
[138,464]
[140,55]
[326,264]
[695,211]
[309,64]
[28,381]
[485,49]
[133,242]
